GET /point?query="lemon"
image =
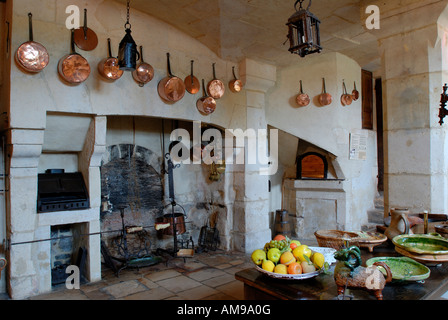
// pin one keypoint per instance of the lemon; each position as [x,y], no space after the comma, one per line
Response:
[302,251]
[268,265]
[318,259]
[258,256]
[281,268]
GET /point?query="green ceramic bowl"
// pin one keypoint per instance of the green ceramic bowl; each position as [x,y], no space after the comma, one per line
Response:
[402,268]
[422,243]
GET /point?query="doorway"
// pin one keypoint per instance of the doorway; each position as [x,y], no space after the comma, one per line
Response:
[380,136]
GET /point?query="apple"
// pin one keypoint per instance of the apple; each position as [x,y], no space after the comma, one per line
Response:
[258,256]
[297,242]
[274,254]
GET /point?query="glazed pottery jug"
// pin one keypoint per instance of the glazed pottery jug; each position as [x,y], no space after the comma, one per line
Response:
[396,227]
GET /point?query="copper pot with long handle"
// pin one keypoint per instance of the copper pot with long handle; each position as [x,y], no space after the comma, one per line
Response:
[346,99]
[302,99]
[206,105]
[215,87]
[109,67]
[325,98]
[144,72]
[73,67]
[235,85]
[171,88]
[85,38]
[191,82]
[355,93]
[31,56]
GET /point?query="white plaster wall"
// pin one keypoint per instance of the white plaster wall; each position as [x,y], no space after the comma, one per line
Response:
[327,127]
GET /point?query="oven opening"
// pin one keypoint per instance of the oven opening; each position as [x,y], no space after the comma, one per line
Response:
[312,165]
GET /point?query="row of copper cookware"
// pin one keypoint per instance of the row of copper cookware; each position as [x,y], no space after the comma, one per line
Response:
[326,98]
[33,57]
[73,68]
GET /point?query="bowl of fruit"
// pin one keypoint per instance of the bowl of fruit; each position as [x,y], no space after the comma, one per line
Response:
[284,258]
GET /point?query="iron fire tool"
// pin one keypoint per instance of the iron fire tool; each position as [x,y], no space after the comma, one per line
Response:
[175,251]
[142,258]
[443,112]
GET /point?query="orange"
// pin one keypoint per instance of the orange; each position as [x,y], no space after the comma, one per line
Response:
[287,258]
[279,237]
[295,268]
[293,245]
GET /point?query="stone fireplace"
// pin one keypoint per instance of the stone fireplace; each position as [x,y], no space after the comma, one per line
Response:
[314,192]
[79,129]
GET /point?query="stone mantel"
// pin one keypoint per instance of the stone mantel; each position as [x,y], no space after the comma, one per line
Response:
[329,185]
[315,204]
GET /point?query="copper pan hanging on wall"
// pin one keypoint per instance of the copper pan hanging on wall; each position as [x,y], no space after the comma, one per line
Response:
[346,99]
[171,88]
[235,85]
[31,56]
[85,38]
[191,82]
[355,93]
[206,105]
[108,67]
[325,98]
[144,72]
[73,67]
[302,99]
[215,87]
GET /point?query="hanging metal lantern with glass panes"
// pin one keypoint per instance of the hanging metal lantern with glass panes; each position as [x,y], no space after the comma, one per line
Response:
[303,31]
[127,51]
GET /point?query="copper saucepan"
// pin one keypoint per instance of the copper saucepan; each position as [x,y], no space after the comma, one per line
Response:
[171,88]
[325,98]
[355,93]
[85,38]
[144,71]
[215,87]
[206,105]
[73,67]
[235,85]
[191,82]
[31,55]
[108,67]
[302,99]
[346,99]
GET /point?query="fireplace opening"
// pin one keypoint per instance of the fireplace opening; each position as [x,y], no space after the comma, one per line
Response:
[67,250]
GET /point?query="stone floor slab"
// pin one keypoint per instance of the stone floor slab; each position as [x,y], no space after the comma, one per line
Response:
[178,284]
[125,288]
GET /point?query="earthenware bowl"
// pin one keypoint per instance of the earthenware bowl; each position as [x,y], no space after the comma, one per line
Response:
[442,229]
[403,268]
[430,260]
[422,244]
[370,240]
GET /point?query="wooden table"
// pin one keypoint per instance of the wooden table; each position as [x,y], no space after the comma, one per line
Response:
[258,286]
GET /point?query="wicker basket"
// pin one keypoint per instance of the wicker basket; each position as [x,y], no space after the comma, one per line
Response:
[335,238]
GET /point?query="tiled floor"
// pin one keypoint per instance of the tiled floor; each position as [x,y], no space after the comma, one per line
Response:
[205,276]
